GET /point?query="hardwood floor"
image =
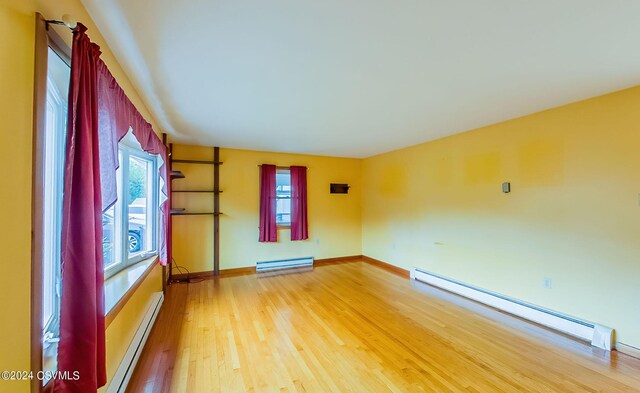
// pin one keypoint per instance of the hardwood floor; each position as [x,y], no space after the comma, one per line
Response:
[355,327]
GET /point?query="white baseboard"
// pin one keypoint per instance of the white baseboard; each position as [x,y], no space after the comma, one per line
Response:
[597,335]
[118,383]
[628,350]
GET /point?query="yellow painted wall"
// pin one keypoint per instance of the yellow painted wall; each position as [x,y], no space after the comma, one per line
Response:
[573,214]
[17,27]
[16,96]
[334,220]
[122,329]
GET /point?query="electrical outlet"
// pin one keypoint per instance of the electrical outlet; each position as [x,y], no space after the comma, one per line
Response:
[317,241]
[547,283]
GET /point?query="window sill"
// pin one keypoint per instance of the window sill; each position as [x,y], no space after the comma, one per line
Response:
[119,288]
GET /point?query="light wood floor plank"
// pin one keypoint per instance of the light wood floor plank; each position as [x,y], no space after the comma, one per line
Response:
[353,327]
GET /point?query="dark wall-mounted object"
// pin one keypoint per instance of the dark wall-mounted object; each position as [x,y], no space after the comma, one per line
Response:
[506,187]
[339,188]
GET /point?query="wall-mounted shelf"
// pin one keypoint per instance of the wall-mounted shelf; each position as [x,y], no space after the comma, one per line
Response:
[184,213]
[215,192]
[176,175]
[203,191]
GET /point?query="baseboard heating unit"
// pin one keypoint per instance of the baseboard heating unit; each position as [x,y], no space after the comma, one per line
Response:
[127,365]
[598,336]
[283,264]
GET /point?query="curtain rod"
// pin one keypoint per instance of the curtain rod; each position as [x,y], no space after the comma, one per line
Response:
[67,20]
[283,167]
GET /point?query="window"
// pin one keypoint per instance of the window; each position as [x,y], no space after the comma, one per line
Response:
[283,197]
[58,74]
[130,226]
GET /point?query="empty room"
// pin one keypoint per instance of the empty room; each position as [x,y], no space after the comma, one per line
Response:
[307,196]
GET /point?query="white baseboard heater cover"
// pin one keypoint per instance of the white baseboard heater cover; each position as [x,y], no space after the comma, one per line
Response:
[599,336]
[121,378]
[283,264]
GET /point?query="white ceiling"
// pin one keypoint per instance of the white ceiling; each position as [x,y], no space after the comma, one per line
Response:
[357,78]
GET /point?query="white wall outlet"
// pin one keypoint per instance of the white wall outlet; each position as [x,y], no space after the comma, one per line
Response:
[547,282]
[317,241]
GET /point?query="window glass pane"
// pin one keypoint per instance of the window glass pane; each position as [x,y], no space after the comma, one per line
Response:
[129,236]
[53,170]
[283,197]
[50,237]
[140,228]
[108,237]
[111,224]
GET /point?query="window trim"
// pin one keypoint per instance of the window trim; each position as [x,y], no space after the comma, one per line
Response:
[59,143]
[281,170]
[45,38]
[126,151]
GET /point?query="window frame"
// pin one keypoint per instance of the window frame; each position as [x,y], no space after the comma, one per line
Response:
[45,38]
[58,150]
[283,170]
[121,211]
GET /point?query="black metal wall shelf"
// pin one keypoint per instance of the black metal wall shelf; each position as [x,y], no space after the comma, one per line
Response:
[176,175]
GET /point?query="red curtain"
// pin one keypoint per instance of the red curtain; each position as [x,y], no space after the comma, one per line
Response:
[299,223]
[82,326]
[268,228]
[116,115]
[100,114]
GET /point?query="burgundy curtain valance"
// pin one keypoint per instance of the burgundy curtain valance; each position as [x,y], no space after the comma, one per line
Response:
[116,116]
